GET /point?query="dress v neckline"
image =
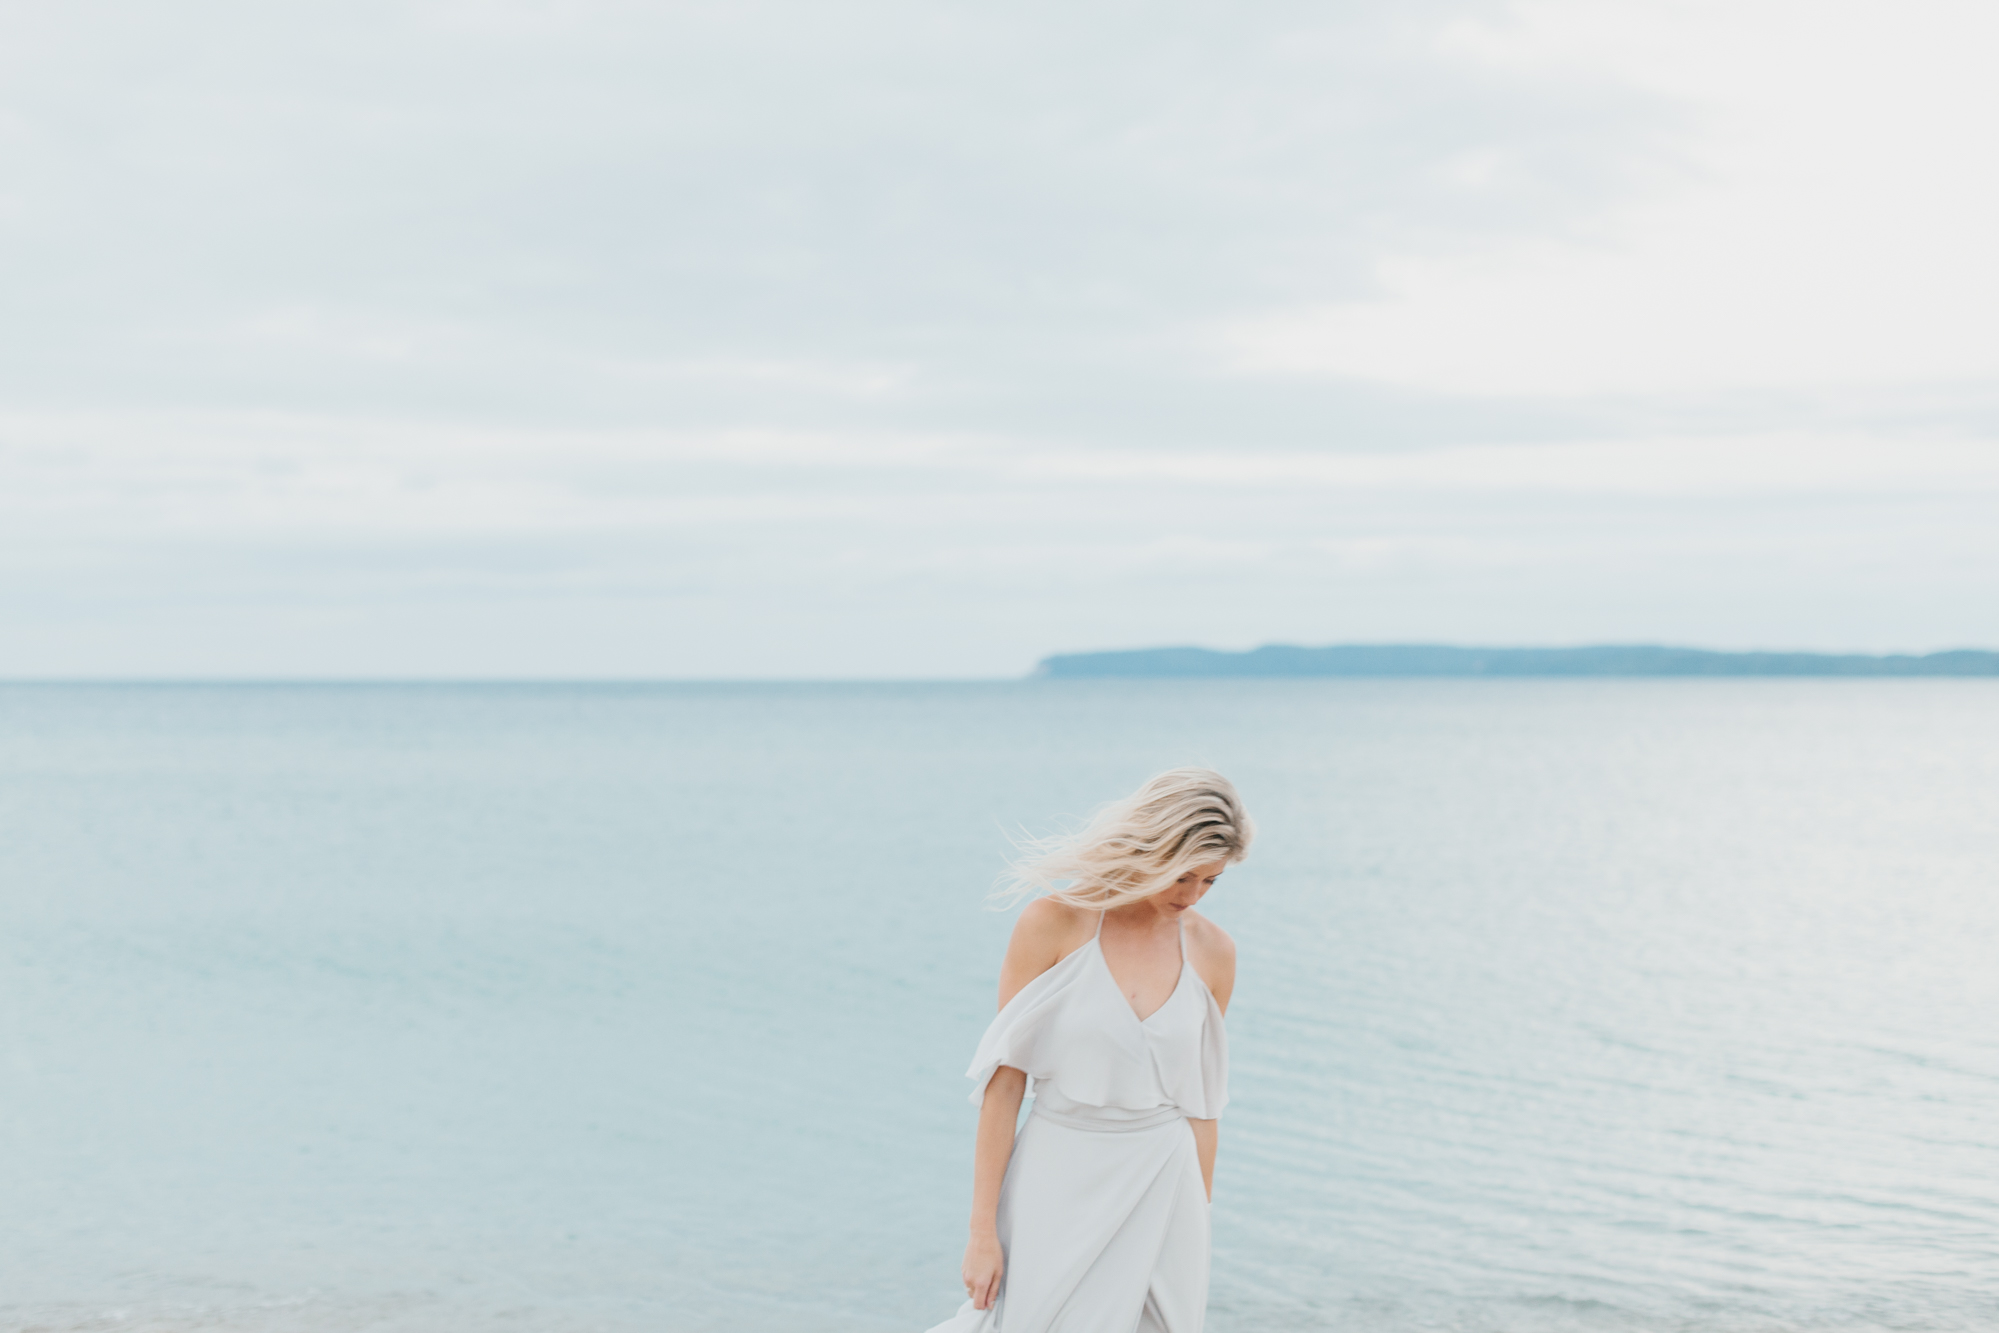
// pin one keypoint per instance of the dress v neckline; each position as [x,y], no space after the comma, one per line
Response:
[1180,929]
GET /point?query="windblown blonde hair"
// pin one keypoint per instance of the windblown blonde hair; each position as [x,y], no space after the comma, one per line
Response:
[1130,849]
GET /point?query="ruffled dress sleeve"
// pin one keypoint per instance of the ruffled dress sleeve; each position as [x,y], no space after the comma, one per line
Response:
[1023,1034]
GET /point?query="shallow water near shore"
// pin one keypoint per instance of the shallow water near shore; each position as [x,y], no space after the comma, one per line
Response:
[1564,1005]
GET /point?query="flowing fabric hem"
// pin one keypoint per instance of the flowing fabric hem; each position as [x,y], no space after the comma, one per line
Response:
[982,1075]
[969,1319]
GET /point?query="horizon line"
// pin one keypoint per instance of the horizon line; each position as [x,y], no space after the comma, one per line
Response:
[1035,674]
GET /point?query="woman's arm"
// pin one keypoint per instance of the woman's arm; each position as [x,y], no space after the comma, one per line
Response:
[1213,954]
[997,1116]
[1206,1133]
[1044,933]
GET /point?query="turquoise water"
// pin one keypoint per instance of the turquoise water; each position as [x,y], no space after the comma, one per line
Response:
[1578,1005]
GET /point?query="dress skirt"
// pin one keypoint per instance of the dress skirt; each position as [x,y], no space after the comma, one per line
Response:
[1104,1224]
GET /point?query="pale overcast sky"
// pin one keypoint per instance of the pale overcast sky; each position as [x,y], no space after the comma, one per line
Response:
[897,339]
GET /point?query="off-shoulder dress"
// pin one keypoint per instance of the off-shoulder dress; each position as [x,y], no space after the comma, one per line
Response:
[1102,1215]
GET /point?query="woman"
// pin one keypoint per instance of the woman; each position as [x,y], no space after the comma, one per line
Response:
[1093,1218]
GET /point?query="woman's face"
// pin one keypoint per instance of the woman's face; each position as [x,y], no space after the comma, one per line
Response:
[1187,890]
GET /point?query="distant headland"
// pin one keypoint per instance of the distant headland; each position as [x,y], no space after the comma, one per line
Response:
[1368,659]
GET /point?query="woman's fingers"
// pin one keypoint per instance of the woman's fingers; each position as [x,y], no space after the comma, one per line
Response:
[985,1261]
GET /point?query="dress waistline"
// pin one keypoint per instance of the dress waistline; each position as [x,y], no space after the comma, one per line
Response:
[1165,1115]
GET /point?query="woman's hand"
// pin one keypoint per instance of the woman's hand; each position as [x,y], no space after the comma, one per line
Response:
[983,1265]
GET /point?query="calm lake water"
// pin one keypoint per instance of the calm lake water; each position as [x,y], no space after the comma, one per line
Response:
[1564,1005]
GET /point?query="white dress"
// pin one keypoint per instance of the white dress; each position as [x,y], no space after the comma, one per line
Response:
[1102,1215]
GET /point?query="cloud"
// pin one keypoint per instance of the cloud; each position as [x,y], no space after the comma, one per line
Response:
[1027,214]
[1827,225]
[890,339]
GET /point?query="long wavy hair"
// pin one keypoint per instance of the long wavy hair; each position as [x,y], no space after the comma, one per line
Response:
[1131,849]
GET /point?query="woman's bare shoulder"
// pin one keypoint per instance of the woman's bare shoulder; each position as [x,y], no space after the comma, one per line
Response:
[1204,934]
[1046,932]
[1053,910]
[1212,952]
[1051,923]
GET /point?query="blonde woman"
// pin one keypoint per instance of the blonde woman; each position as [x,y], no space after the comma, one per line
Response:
[1093,1218]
